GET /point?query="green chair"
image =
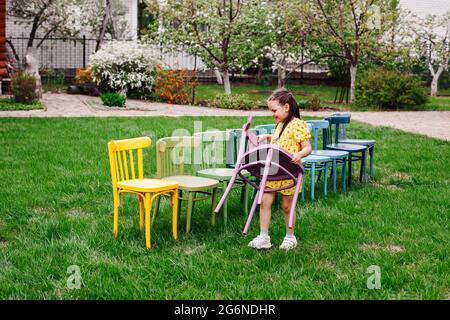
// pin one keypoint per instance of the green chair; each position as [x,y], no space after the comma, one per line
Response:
[214,162]
[178,159]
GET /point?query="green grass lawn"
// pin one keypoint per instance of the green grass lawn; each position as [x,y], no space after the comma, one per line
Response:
[56,211]
[260,93]
[9,104]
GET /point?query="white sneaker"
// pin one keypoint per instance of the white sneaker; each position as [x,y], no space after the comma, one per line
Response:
[289,243]
[260,242]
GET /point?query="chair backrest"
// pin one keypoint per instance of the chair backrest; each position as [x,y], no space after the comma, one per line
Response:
[125,156]
[279,167]
[343,126]
[233,145]
[316,125]
[267,160]
[266,128]
[336,122]
[214,146]
[177,156]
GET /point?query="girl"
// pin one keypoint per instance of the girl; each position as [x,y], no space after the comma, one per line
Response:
[291,134]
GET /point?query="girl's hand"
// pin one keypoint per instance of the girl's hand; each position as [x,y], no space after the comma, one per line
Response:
[264,137]
[297,158]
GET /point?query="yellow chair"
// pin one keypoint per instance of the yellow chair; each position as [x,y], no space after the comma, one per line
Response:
[124,180]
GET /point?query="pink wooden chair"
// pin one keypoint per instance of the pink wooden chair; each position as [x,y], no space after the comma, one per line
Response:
[268,162]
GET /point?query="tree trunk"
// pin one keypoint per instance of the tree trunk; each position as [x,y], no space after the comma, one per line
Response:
[226,82]
[106,18]
[31,65]
[435,82]
[281,76]
[218,76]
[353,70]
[259,75]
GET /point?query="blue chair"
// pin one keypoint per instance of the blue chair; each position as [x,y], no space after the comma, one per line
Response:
[342,133]
[338,158]
[356,152]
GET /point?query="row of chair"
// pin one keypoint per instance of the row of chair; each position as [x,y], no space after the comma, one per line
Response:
[193,168]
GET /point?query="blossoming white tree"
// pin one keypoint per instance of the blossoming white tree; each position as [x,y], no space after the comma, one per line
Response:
[432,40]
[219,31]
[351,28]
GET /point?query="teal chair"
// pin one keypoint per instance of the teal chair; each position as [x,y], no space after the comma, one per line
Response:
[356,152]
[342,134]
[338,158]
[266,128]
[214,163]
[315,163]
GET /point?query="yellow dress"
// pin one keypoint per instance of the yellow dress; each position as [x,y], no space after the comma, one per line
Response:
[295,133]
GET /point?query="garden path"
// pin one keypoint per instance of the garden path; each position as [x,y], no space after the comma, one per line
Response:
[431,123]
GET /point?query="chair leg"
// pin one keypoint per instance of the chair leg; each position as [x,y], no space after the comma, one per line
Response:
[362,171]
[116,214]
[180,200]
[251,213]
[303,190]
[174,203]
[371,152]
[349,171]
[225,204]
[189,211]
[148,208]
[213,205]
[344,173]
[313,169]
[325,191]
[141,213]
[246,187]
[334,175]
[243,192]
[116,221]
[361,168]
[156,209]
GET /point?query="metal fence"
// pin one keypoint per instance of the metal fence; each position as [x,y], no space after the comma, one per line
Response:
[60,53]
[70,54]
[56,53]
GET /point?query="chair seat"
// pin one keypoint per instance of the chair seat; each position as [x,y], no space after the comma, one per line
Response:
[221,174]
[346,147]
[193,183]
[147,185]
[334,154]
[361,142]
[315,159]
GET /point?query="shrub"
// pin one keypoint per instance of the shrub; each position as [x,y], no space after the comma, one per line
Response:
[174,86]
[53,77]
[23,86]
[302,104]
[387,89]
[113,99]
[232,101]
[123,66]
[84,76]
[314,102]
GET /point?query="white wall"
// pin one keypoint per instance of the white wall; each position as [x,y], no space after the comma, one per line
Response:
[425,7]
